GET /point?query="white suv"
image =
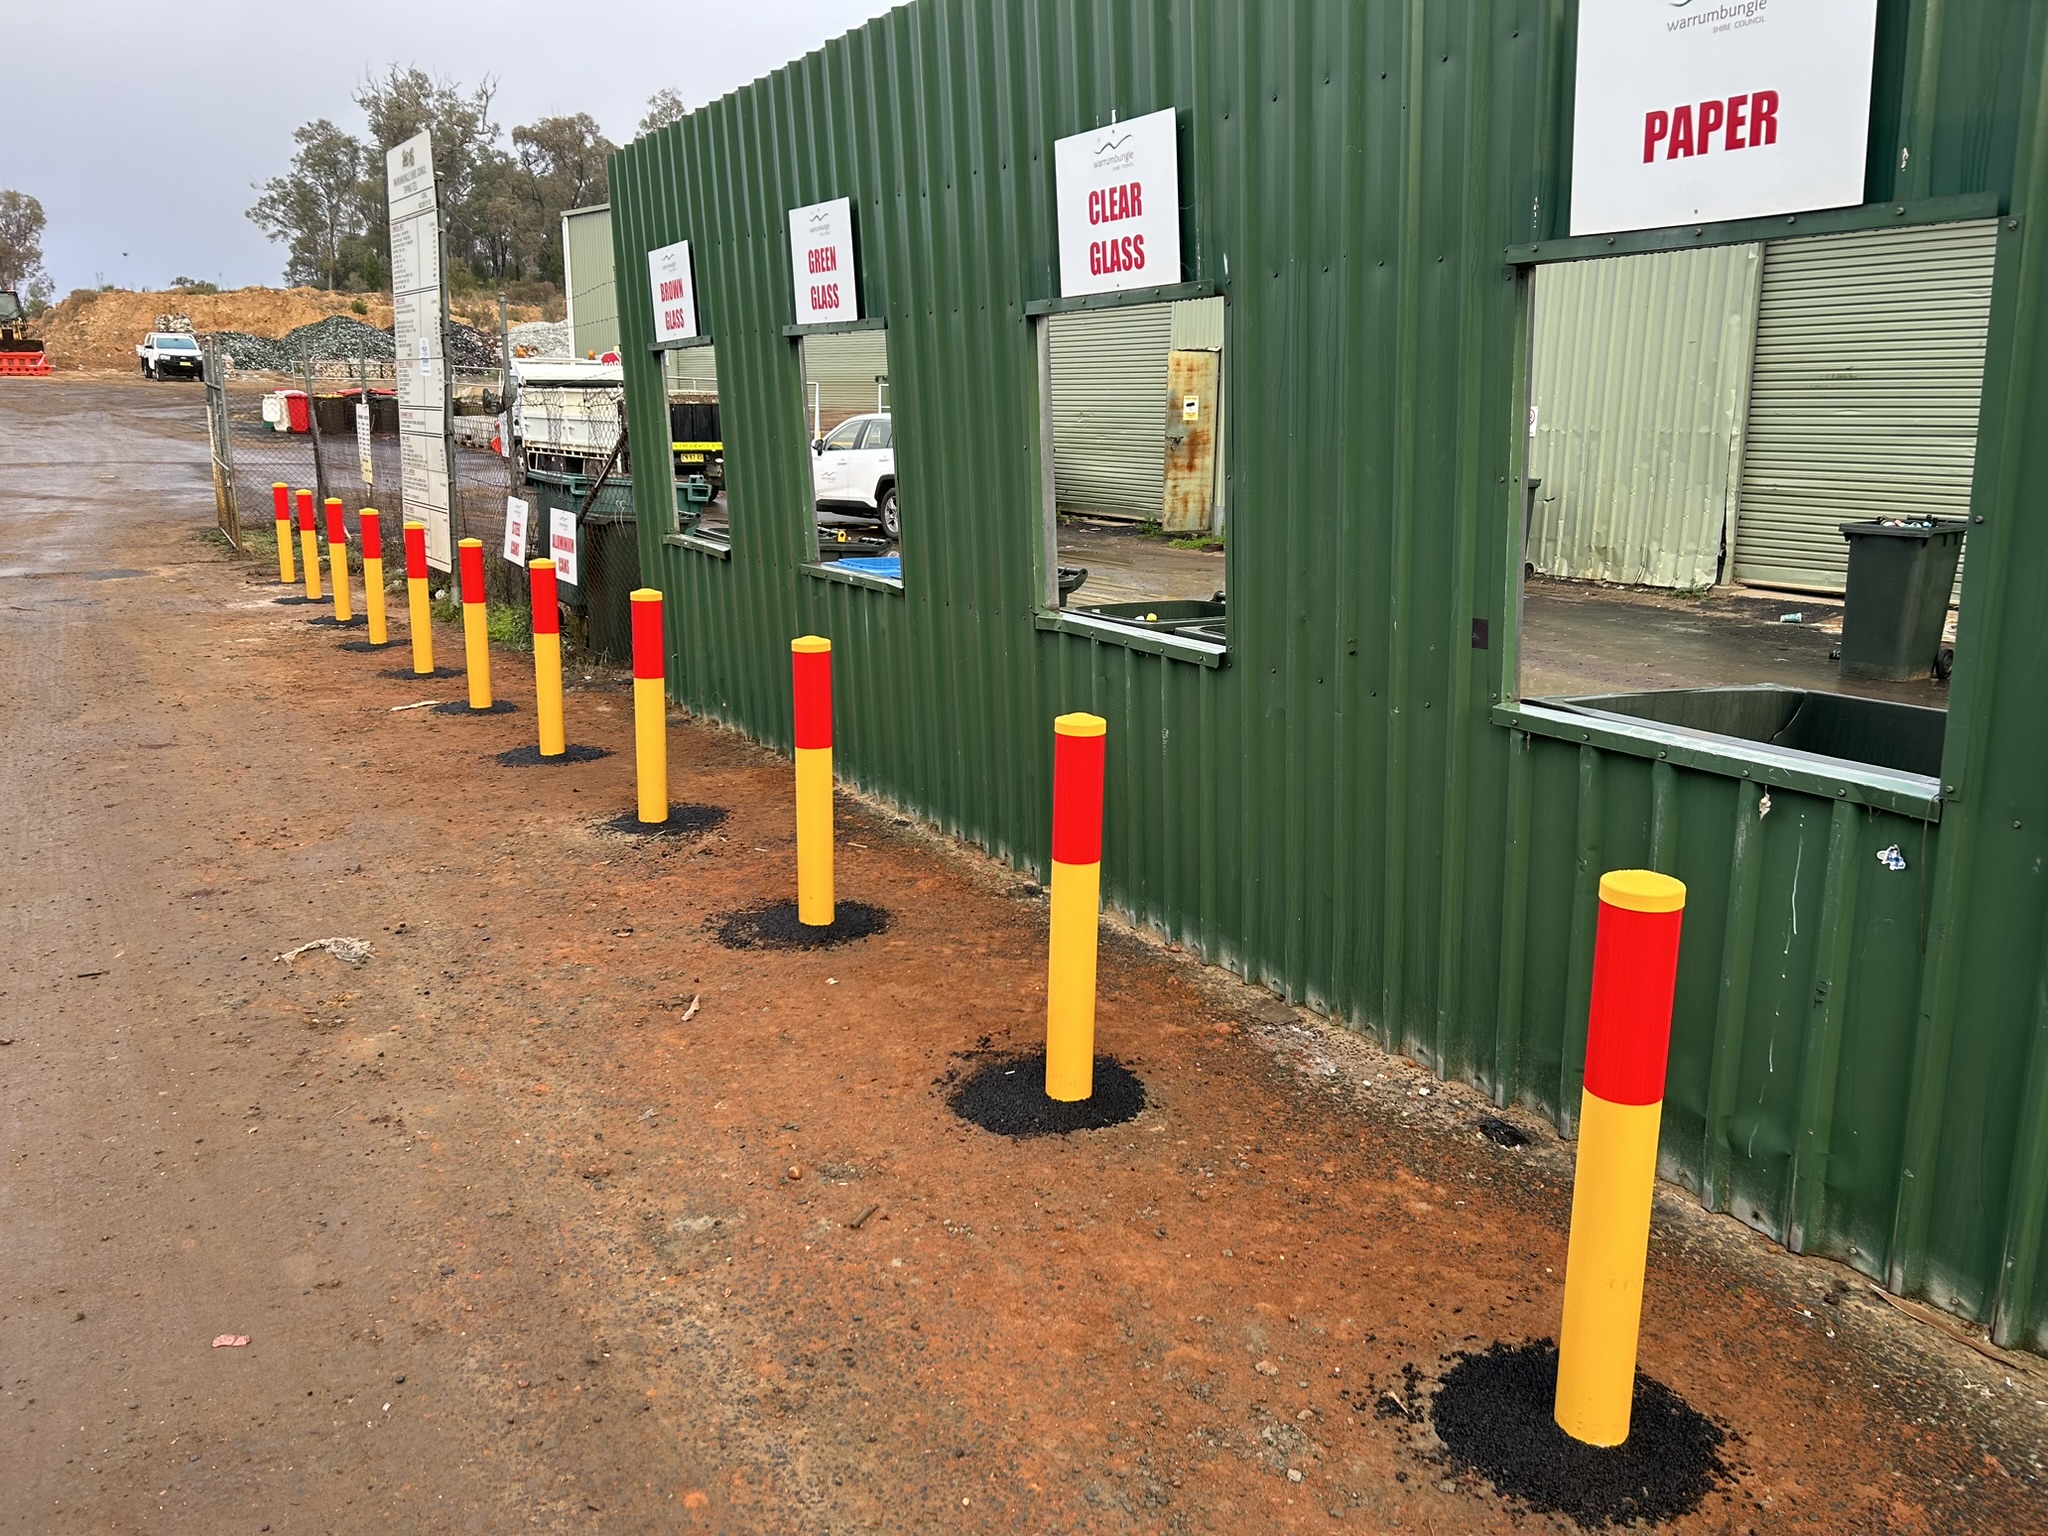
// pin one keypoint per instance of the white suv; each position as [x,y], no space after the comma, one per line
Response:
[853,470]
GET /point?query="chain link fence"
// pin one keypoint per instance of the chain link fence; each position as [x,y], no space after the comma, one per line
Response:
[569,456]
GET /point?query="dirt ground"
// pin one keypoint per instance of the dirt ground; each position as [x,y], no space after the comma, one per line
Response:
[549,1216]
[97,332]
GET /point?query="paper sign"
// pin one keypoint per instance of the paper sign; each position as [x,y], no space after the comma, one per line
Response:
[1191,408]
[821,263]
[1118,192]
[365,461]
[515,530]
[1696,110]
[562,543]
[674,290]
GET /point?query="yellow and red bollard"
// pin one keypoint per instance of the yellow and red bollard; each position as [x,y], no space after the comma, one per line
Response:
[547,658]
[1628,1040]
[372,530]
[1079,745]
[476,630]
[811,665]
[421,615]
[281,504]
[337,560]
[309,546]
[650,706]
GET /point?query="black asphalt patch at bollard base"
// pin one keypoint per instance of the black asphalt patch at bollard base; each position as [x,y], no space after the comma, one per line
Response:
[407,675]
[775,926]
[1006,1095]
[1496,1413]
[683,821]
[365,648]
[297,599]
[1502,1133]
[329,621]
[529,756]
[461,707]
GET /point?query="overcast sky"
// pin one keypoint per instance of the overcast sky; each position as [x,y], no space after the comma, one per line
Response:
[141,124]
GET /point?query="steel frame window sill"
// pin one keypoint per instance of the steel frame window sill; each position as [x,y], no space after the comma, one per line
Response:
[1887,789]
[1172,647]
[715,548]
[827,570]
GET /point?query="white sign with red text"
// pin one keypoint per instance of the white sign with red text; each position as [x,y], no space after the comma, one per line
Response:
[1118,191]
[562,543]
[674,290]
[821,262]
[516,513]
[1696,110]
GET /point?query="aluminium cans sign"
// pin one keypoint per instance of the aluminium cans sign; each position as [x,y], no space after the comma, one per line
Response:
[1690,111]
[1118,193]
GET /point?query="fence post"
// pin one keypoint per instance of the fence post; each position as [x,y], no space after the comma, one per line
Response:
[1628,1038]
[313,428]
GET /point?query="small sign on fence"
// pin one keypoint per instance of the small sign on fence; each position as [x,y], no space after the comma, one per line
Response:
[516,512]
[364,461]
[562,543]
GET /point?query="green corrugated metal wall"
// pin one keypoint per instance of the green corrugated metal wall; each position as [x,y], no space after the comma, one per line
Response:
[589,280]
[1336,813]
[1640,385]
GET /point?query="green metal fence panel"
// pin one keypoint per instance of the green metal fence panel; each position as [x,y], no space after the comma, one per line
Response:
[1335,813]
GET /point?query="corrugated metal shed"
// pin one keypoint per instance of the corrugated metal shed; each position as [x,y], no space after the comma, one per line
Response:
[1109,409]
[1351,811]
[1869,371]
[841,374]
[1640,382]
[589,281]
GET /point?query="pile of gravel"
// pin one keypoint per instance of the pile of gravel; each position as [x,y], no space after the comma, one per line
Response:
[544,338]
[341,338]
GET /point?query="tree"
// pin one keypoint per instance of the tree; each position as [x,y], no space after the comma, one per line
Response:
[665,106]
[561,165]
[466,154]
[318,208]
[21,245]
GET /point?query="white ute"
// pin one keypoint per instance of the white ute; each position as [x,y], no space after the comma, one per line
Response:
[171,355]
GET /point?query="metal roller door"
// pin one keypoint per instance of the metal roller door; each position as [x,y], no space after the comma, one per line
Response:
[1109,409]
[1864,395]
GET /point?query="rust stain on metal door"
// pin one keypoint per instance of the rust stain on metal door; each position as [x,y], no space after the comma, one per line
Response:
[1190,502]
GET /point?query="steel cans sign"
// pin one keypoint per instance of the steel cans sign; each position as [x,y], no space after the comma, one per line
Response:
[674,289]
[821,261]
[1118,190]
[1696,110]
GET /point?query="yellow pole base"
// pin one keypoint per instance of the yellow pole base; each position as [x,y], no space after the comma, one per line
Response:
[309,557]
[1603,1279]
[337,571]
[422,618]
[373,598]
[547,691]
[650,747]
[816,902]
[476,652]
[285,573]
[1070,982]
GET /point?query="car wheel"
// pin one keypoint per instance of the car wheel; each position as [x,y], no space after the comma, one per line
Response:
[886,506]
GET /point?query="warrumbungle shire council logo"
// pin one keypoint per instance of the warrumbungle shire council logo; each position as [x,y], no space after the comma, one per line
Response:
[1715,15]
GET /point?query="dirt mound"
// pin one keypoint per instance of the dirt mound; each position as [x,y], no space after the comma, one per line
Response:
[97,332]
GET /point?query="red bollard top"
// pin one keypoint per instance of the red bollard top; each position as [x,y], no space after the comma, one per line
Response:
[1078,750]
[415,551]
[1635,977]
[337,530]
[306,511]
[471,554]
[811,663]
[369,524]
[281,500]
[649,650]
[547,609]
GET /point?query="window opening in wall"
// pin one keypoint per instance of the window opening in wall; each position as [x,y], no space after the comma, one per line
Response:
[697,443]
[857,522]
[1135,411]
[1702,425]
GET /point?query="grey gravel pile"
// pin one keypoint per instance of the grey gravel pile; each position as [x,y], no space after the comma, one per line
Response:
[341,337]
